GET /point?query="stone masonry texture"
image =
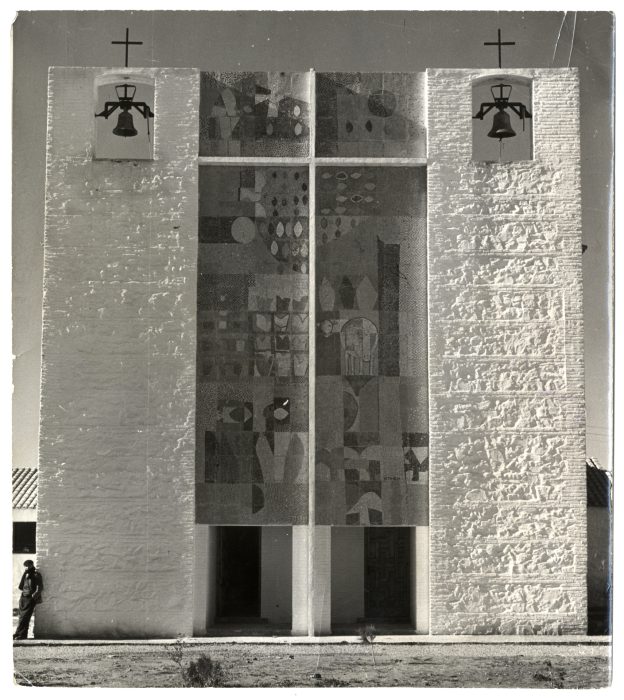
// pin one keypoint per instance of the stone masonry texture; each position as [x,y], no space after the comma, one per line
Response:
[117,441]
[507,420]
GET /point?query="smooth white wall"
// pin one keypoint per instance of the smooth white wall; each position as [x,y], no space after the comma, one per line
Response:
[276,575]
[205,585]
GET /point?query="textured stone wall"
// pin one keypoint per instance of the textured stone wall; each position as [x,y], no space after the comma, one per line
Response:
[117,436]
[507,451]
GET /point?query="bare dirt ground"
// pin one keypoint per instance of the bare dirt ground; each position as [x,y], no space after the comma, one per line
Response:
[321,665]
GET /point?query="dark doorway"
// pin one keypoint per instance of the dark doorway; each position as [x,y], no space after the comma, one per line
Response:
[387,574]
[238,596]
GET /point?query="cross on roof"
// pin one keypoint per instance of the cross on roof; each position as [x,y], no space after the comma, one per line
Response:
[127,43]
[499,43]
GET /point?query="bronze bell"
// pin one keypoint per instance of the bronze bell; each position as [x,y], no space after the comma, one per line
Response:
[501,126]
[125,125]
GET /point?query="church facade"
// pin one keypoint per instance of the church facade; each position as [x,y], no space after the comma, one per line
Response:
[312,354]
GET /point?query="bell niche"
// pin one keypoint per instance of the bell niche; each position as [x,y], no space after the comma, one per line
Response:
[124,117]
[502,119]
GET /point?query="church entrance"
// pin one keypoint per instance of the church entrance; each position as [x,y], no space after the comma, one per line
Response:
[387,574]
[372,579]
[238,568]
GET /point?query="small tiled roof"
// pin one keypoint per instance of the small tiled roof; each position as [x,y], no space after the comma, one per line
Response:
[24,488]
[598,485]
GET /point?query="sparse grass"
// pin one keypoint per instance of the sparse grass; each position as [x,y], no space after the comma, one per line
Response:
[201,673]
[367,635]
[330,683]
[175,652]
[294,666]
[204,673]
[21,679]
[551,675]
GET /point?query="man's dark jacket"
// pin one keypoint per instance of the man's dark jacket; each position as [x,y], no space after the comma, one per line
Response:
[36,583]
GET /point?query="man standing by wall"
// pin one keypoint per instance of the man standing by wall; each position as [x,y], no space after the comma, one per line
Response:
[31,587]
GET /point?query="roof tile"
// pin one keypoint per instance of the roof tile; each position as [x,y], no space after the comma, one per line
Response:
[24,488]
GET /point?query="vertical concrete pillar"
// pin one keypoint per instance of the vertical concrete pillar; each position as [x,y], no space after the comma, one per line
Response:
[200,584]
[320,613]
[413,577]
[211,588]
[300,585]
[419,568]
[205,574]
[311,580]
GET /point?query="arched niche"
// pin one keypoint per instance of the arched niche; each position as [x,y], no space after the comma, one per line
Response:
[515,148]
[108,145]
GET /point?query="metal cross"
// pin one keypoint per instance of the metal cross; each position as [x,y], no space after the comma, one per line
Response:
[499,43]
[127,43]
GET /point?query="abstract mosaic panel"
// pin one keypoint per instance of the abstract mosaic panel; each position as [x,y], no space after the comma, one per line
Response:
[370,114]
[371,347]
[252,404]
[254,114]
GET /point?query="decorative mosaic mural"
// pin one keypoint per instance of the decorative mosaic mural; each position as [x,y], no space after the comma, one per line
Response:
[370,114]
[252,404]
[371,338]
[371,346]
[254,114]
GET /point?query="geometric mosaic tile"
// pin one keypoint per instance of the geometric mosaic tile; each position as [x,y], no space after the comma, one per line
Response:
[370,224]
